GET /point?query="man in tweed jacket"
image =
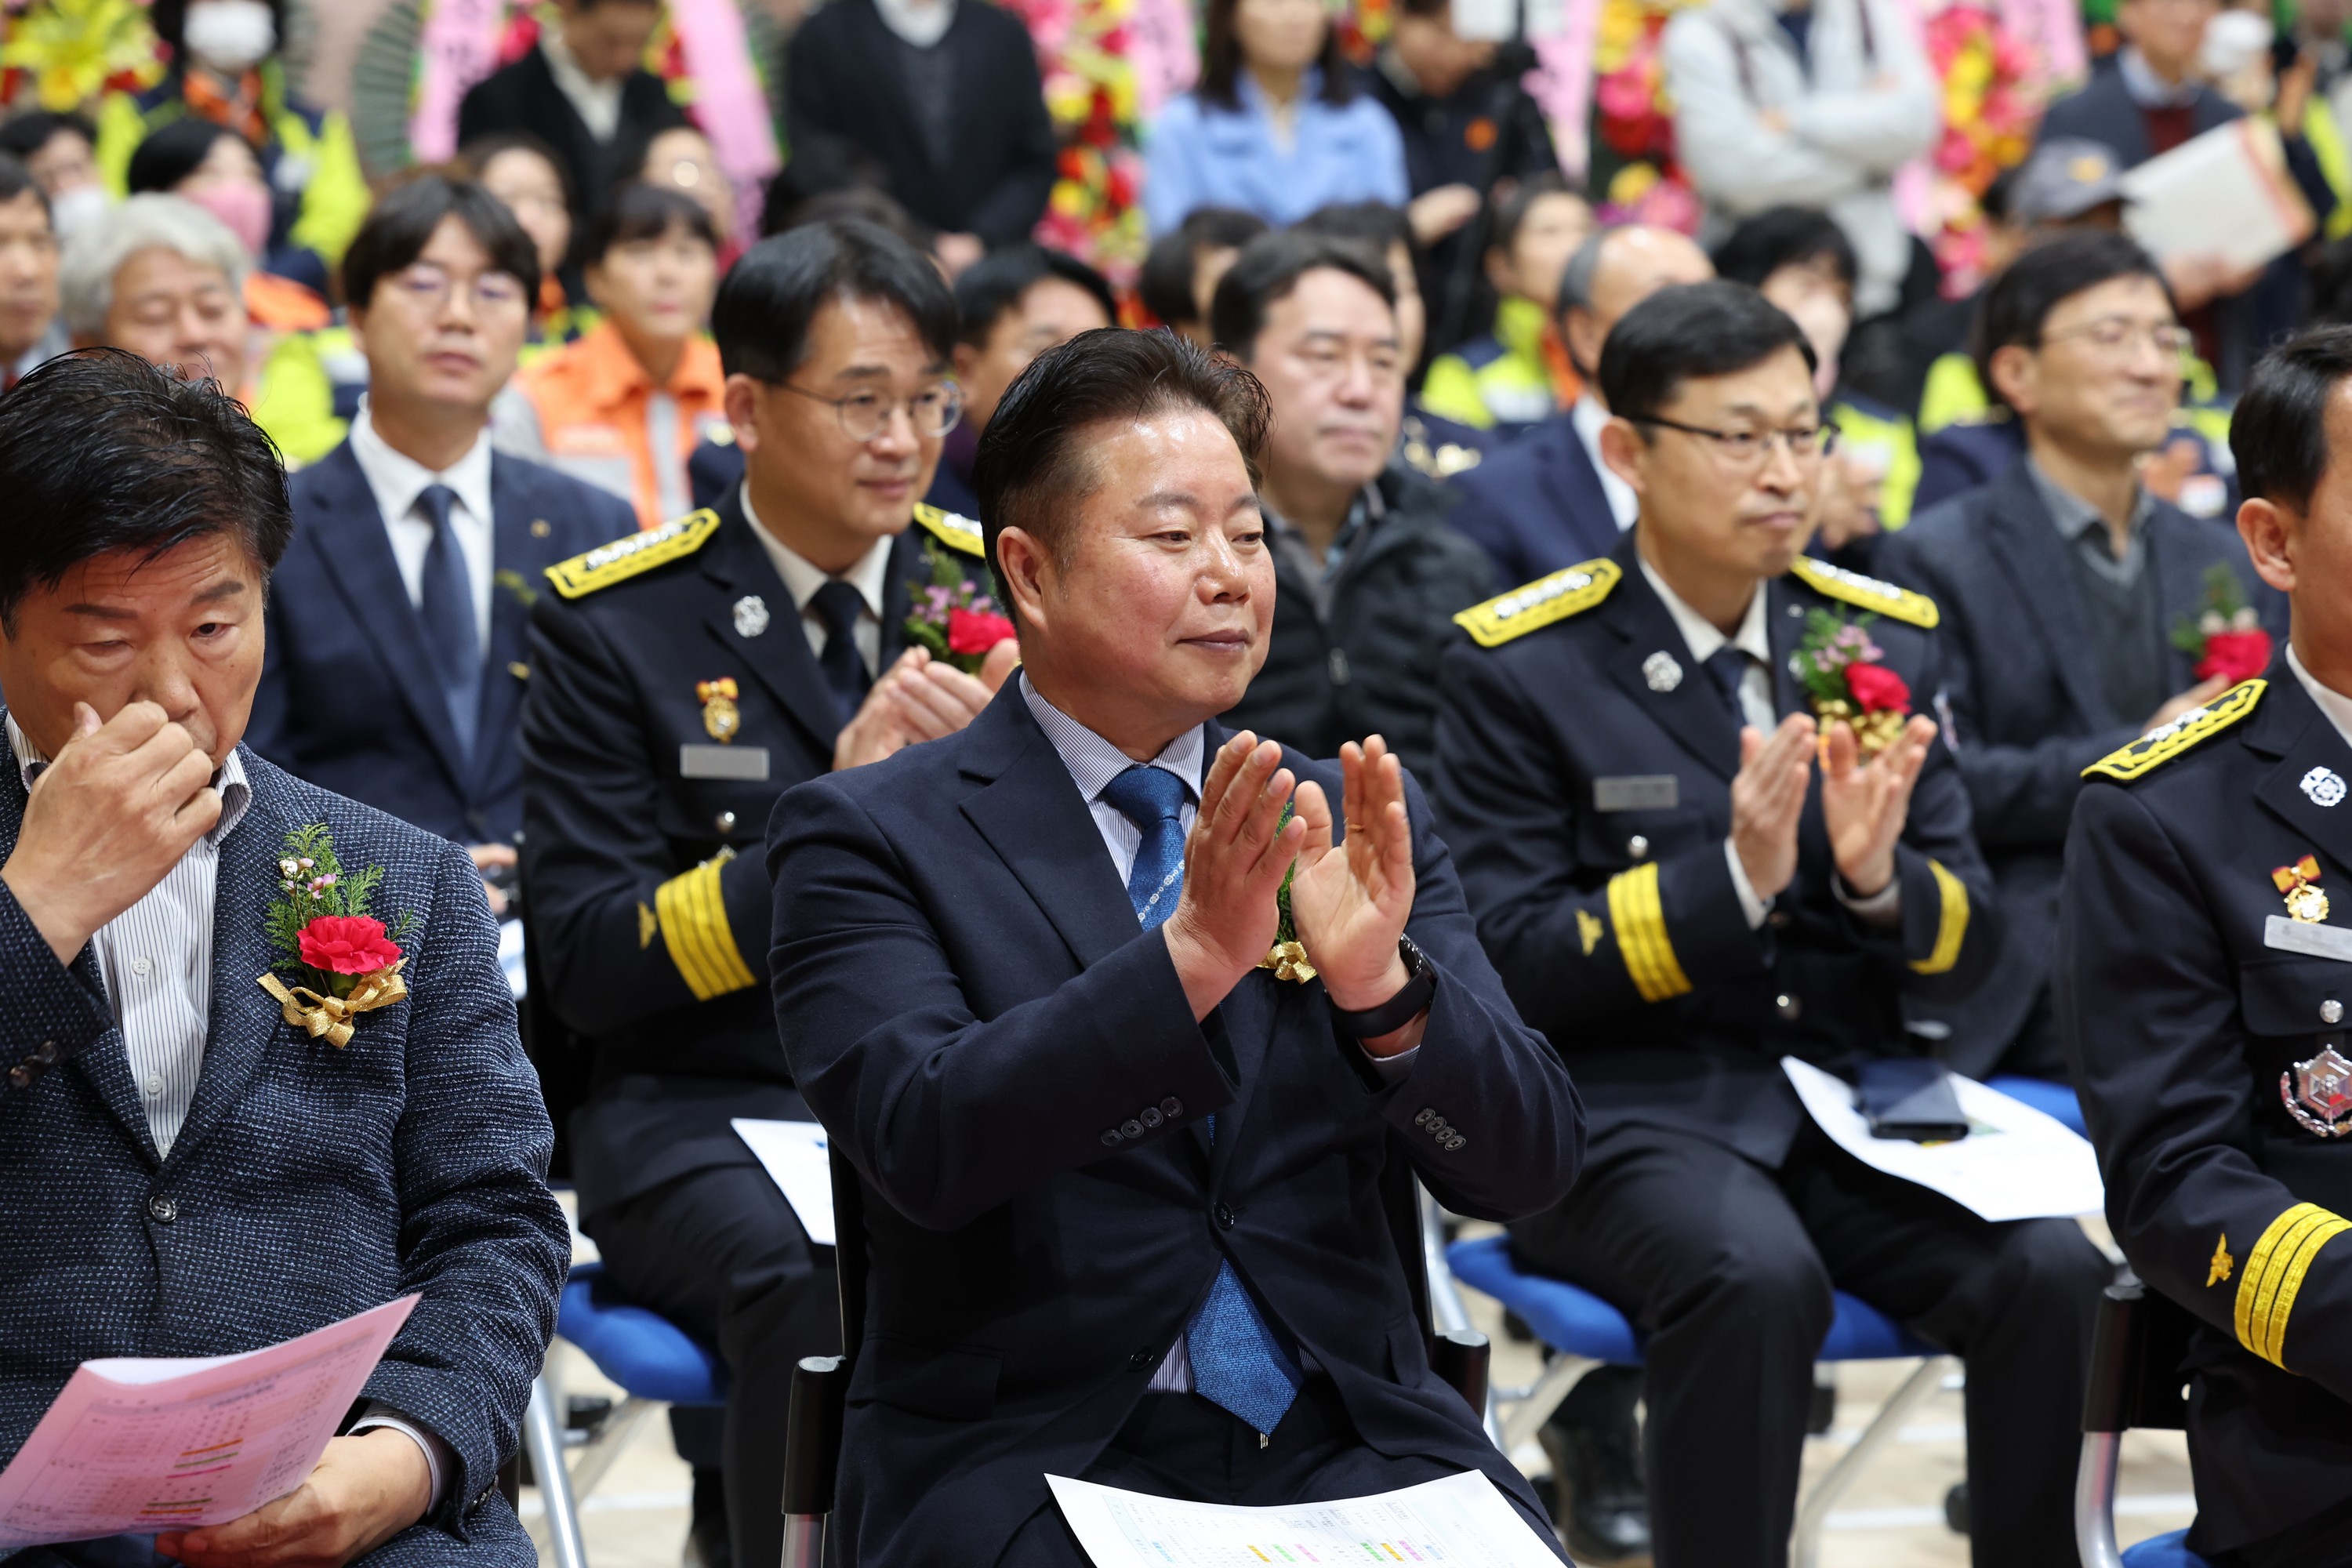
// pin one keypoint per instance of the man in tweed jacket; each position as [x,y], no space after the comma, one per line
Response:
[194,1174]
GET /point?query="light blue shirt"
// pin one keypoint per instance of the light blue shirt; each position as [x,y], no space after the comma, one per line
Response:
[1201,155]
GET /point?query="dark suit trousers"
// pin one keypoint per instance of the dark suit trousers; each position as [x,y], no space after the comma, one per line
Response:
[1180,1445]
[1730,1267]
[720,1253]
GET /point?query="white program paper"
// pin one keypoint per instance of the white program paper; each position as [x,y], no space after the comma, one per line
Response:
[795,1156]
[2015,1162]
[2226,192]
[1462,1518]
[135,1447]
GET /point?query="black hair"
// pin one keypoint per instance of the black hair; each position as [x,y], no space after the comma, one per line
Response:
[170,153]
[170,20]
[1220,60]
[15,180]
[1270,267]
[24,135]
[2278,433]
[1165,285]
[638,212]
[102,451]
[478,155]
[1033,454]
[1511,212]
[1689,332]
[773,292]
[1785,237]
[1376,224]
[994,284]
[2018,305]
[400,225]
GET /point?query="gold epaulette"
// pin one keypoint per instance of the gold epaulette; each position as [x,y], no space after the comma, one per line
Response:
[1539,603]
[1869,593]
[625,558]
[2165,741]
[957,532]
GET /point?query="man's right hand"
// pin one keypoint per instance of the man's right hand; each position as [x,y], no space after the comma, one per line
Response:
[1768,798]
[921,698]
[107,819]
[1235,861]
[2196,696]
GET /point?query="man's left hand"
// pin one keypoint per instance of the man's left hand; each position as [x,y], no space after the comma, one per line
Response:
[365,1491]
[1866,806]
[1350,902]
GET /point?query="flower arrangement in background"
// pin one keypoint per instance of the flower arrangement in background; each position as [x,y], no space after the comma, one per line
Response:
[1992,101]
[1634,120]
[64,54]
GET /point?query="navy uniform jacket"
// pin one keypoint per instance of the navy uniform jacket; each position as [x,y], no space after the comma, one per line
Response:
[2022,674]
[1018,1079]
[648,896]
[348,699]
[2185,1006]
[1588,811]
[307,1182]
[1536,504]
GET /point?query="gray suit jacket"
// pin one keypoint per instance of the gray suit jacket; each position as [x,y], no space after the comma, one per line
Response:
[307,1182]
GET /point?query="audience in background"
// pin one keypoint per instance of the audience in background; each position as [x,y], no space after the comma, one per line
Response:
[943,96]
[1547,500]
[1368,577]
[1181,270]
[1276,127]
[30,330]
[524,172]
[61,152]
[624,407]
[1389,232]
[164,279]
[1010,307]
[1519,372]
[681,158]
[2062,584]
[583,89]
[216,169]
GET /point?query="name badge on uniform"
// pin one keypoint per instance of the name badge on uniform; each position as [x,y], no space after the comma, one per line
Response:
[2313,941]
[1637,792]
[747,763]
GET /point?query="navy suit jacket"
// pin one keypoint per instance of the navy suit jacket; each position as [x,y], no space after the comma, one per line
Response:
[968,1007]
[2021,674]
[1536,504]
[307,1182]
[348,699]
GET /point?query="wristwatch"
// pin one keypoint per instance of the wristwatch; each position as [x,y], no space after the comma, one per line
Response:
[1407,1004]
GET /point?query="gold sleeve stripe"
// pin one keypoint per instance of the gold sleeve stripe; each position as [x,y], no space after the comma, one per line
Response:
[1641,923]
[1951,923]
[693,917]
[2274,1275]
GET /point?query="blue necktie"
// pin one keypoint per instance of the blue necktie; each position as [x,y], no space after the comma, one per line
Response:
[838,604]
[1237,1364]
[1728,667]
[447,608]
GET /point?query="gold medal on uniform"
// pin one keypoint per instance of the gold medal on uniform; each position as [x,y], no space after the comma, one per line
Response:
[2299,882]
[721,716]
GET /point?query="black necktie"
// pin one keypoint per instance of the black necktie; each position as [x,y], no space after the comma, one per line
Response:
[838,605]
[1728,666]
[447,608]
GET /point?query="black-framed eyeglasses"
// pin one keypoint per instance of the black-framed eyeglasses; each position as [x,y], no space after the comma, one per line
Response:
[932,411]
[1750,449]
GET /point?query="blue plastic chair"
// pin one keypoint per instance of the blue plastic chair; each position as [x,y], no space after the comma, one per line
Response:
[654,1360]
[2164,1552]
[1587,1332]
[2054,1101]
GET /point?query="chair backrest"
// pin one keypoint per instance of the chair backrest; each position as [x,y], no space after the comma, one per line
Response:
[2137,1351]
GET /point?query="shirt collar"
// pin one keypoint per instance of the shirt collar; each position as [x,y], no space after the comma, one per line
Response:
[870,576]
[1094,762]
[920,26]
[397,478]
[2148,90]
[228,778]
[2332,702]
[2072,515]
[1700,633]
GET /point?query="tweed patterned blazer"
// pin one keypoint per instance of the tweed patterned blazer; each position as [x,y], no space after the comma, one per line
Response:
[307,1182]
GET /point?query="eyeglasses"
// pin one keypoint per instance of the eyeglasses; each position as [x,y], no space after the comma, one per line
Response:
[932,411]
[427,288]
[2112,334]
[1750,448]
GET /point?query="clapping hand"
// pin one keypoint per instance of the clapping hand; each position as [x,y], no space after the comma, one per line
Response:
[921,698]
[1766,800]
[1234,861]
[1864,806]
[1349,901]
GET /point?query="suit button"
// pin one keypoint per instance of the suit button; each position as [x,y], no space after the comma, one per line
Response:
[1637,847]
[1152,1117]
[726,821]
[1455,1142]
[1786,1006]
[162,1209]
[1777,918]
[47,1054]
[1131,1127]
[21,1076]
[1224,1216]
[1140,1360]
[2331,1011]
[1171,1108]
[1112,1139]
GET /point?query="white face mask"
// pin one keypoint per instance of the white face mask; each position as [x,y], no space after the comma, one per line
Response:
[76,208]
[232,36]
[2233,40]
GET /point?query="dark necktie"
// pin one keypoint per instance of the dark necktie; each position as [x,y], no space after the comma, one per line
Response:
[1237,1363]
[838,605]
[1727,666]
[447,608]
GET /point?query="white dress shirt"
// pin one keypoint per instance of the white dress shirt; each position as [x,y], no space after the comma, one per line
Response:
[870,576]
[2332,702]
[598,103]
[156,960]
[397,480]
[1588,416]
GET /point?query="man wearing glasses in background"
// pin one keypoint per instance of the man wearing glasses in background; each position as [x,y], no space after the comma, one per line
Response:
[2063,584]
[682,680]
[1678,896]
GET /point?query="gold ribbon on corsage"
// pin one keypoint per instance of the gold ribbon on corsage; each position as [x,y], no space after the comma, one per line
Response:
[1288,961]
[331,1018]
